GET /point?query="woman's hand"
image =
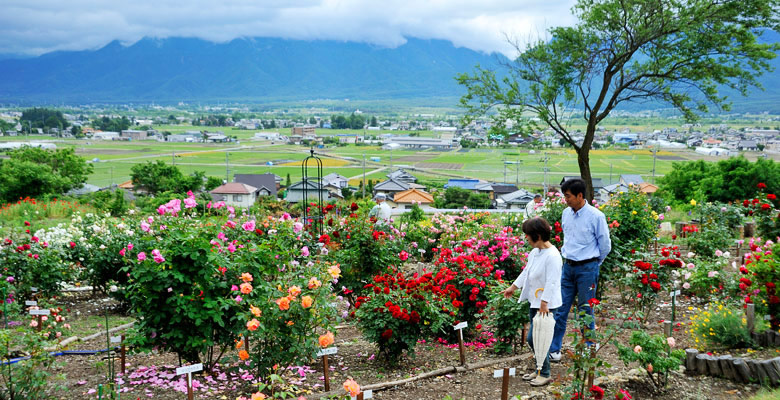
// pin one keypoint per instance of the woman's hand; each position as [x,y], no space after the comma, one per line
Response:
[543,308]
[509,291]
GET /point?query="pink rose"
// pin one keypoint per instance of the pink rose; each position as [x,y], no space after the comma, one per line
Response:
[122,252]
[141,256]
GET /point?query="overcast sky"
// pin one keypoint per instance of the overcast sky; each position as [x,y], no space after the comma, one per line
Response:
[33,27]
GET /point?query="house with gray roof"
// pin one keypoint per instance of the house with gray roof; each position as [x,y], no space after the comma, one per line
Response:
[390,187]
[628,179]
[265,183]
[516,200]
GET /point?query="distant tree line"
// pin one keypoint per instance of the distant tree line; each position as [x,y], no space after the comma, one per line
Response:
[35,172]
[107,124]
[43,118]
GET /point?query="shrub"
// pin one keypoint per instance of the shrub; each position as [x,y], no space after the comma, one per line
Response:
[707,239]
[653,353]
[399,311]
[764,210]
[720,327]
[759,279]
[507,317]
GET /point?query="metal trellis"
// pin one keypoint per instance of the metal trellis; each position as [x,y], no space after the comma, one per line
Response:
[312,215]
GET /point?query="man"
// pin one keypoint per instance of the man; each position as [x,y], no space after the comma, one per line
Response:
[381,211]
[532,207]
[586,244]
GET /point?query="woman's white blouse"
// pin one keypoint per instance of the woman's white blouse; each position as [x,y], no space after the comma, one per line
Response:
[543,271]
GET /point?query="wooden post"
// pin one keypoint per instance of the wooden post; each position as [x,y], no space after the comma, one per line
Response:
[750,313]
[40,322]
[360,396]
[668,328]
[325,372]
[522,338]
[505,385]
[190,395]
[122,353]
[460,346]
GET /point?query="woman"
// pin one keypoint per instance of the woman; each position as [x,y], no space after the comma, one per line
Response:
[541,283]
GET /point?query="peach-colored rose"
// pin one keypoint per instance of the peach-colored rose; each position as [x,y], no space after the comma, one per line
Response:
[256,311]
[243,355]
[246,288]
[294,291]
[314,283]
[326,339]
[246,277]
[284,303]
[253,324]
[258,396]
[351,387]
[306,301]
[334,271]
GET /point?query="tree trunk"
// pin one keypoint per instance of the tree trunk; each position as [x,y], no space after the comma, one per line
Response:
[583,159]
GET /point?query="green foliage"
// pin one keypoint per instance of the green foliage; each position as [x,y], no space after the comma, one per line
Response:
[212,182]
[107,124]
[654,355]
[733,179]
[43,118]
[455,197]
[706,279]
[400,311]
[507,317]
[353,121]
[35,172]
[34,377]
[722,327]
[157,177]
[709,238]
[414,215]
[32,262]
[98,251]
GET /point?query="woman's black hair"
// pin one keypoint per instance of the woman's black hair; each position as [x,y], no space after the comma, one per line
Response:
[537,228]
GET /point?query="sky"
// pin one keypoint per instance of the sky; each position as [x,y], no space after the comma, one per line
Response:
[35,27]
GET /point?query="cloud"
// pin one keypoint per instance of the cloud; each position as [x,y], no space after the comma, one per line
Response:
[36,27]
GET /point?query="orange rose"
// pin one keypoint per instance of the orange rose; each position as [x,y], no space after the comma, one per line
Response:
[326,339]
[351,387]
[284,303]
[306,301]
[294,291]
[246,277]
[290,323]
[258,396]
[243,355]
[253,325]
[239,343]
[255,311]
[246,288]
[314,283]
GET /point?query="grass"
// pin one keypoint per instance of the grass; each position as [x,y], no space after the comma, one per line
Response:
[767,394]
[41,214]
[86,325]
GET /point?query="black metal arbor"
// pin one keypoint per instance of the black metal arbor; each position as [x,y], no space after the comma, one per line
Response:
[312,215]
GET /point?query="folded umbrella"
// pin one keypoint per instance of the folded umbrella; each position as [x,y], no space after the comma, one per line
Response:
[544,328]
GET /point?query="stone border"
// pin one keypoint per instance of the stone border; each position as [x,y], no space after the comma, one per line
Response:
[735,369]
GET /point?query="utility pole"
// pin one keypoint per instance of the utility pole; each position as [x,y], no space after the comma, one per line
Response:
[504,169]
[610,173]
[364,175]
[655,150]
[227,168]
[517,172]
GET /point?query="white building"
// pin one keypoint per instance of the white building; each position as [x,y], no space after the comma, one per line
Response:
[236,194]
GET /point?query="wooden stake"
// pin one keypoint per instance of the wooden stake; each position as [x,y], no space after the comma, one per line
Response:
[750,313]
[522,338]
[460,345]
[325,372]
[40,322]
[360,396]
[505,385]
[122,352]
[668,328]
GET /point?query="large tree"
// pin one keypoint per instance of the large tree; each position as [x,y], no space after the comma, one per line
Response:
[677,52]
[32,171]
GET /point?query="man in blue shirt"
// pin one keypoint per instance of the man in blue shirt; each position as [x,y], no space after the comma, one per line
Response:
[585,246]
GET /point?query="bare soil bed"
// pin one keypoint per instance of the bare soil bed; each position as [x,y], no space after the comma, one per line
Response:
[152,375]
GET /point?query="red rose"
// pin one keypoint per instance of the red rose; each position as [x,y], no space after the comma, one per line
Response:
[765,206]
[594,302]
[324,238]
[761,185]
[770,285]
[26,223]
[387,334]
[771,196]
[755,201]
[597,392]
[655,285]
[353,207]
[774,299]
[746,203]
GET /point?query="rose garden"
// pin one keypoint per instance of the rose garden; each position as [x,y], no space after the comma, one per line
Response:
[257,297]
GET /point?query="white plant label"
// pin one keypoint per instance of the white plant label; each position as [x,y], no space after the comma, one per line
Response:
[675,293]
[33,289]
[328,351]
[116,339]
[31,303]
[461,325]
[189,369]
[367,394]
[500,373]
[40,312]
[767,317]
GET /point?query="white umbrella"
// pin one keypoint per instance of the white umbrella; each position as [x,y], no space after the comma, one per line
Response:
[544,328]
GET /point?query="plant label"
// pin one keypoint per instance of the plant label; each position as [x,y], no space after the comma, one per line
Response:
[500,372]
[328,351]
[189,369]
[675,293]
[33,289]
[461,325]
[767,317]
[31,303]
[367,394]
[40,312]
[116,339]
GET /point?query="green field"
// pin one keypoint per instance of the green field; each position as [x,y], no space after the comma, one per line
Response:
[113,160]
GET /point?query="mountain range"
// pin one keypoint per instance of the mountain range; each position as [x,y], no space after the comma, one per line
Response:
[265,70]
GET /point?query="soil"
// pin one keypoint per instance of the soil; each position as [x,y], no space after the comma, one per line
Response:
[153,375]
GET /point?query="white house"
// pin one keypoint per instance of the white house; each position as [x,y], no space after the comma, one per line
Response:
[335,180]
[105,135]
[236,194]
[272,136]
